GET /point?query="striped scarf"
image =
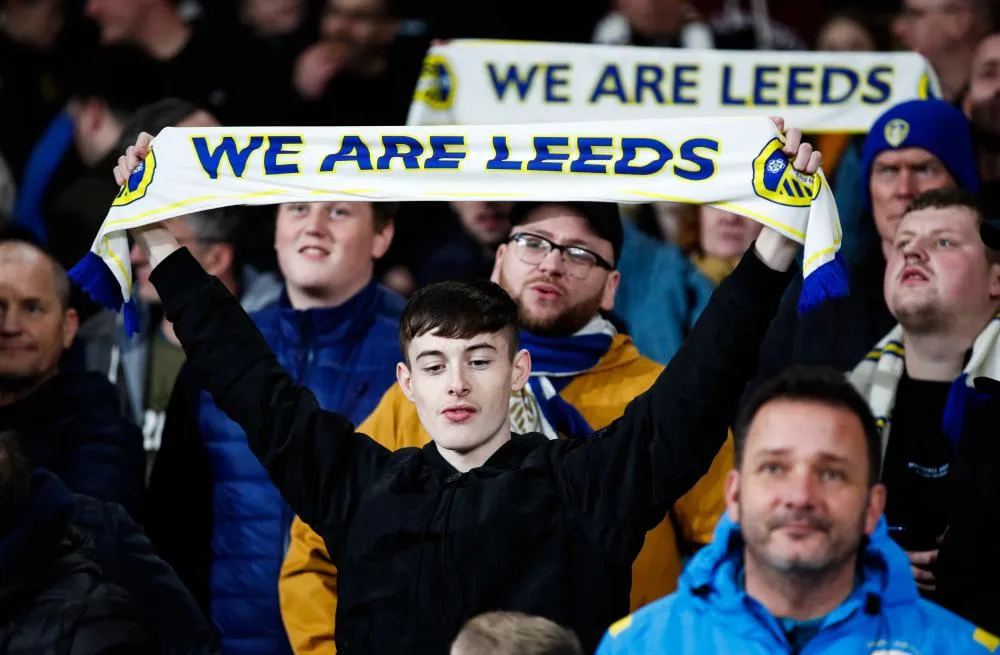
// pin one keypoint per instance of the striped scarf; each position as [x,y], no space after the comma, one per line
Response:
[877,377]
[555,362]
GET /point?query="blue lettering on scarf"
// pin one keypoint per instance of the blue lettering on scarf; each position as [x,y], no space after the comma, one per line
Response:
[227,150]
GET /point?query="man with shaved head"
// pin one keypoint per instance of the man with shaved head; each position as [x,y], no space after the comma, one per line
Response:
[68,423]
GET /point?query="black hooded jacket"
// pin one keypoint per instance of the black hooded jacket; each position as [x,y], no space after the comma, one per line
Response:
[547,527]
[53,600]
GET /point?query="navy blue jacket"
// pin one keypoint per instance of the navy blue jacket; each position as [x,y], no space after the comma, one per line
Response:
[73,426]
[231,558]
[125,555]
[53,596]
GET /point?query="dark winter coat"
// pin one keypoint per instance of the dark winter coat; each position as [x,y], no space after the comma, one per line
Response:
[53,598]
[73,426]
[547,527]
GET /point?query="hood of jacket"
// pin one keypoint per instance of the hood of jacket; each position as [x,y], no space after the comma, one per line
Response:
[713,575]
[37,531]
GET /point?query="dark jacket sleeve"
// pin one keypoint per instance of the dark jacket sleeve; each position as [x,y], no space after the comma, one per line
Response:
[105,457]
[777,351]
[626,478]
[178,505]
[314,457]
[109,625]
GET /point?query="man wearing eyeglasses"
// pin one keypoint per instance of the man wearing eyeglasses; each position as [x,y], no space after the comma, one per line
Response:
[558,263]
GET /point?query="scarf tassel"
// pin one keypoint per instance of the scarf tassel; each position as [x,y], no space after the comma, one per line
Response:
[94,277]
[92,274]
[826,282]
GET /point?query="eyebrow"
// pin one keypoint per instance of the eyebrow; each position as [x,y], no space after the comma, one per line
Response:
[824,457]
[476,346]
[771,452]
[908,164]
[580,243]
[830,457]
[941,230]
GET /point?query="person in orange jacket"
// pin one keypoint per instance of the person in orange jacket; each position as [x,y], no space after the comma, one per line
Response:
[584,374]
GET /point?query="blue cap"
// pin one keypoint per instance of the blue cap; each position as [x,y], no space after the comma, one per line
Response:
[934,125]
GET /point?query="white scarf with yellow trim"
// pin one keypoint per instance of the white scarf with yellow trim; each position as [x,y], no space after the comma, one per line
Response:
[734,163]
[877,376]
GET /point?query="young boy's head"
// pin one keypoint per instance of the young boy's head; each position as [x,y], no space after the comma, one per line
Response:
[514,633]
[461,362]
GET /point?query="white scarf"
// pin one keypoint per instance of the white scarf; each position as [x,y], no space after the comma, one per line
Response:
[483,81]
[733,163]
[877,376]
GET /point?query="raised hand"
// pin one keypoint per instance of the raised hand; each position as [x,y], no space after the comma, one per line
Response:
[775,249]
[133,155]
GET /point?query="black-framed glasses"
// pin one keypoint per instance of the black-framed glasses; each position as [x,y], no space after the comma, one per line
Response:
[533,249]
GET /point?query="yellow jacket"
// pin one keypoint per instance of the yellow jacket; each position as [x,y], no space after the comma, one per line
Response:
[308,583]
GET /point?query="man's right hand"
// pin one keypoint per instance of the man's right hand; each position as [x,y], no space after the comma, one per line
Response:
[772,247]
[133,155]
[315,67]
[155,240]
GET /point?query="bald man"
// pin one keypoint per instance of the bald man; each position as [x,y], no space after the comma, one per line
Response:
[68,423]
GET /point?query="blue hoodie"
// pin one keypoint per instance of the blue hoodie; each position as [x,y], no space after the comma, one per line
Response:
[711,612]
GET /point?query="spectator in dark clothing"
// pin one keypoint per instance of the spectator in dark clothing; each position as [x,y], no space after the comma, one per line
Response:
[335,330]
[938,431]
[547,527]
[946,35]
[981,104]
[68,423]
[483,226]
[215,69]
[53,598]
[361,72]
[912,147]
[280,29]
[69,198]
[126,558]
[67,190]
[32,75]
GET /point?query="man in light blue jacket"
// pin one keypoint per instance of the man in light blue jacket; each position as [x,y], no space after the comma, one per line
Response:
[802,562]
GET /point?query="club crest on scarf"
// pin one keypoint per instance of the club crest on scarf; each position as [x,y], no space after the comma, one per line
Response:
[137,183]
[436,86]
[774,178]
[896,132]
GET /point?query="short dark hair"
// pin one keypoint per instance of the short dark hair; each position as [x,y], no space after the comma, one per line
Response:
[507,633]
[154,116]
[15,234]
[15,480]
[98,75]
[459,309]
[818,384]
[955,197]
[384,213]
